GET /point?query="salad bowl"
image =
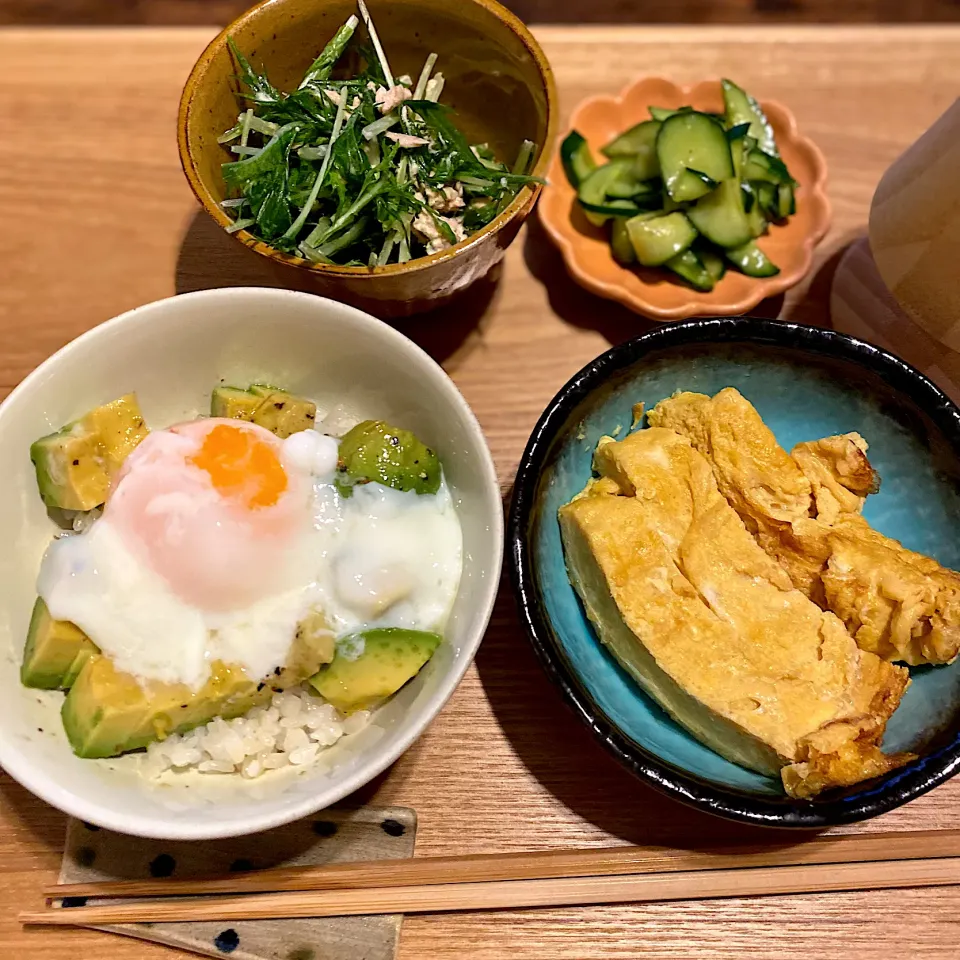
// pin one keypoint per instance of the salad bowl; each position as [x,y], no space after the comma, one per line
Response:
[498,85]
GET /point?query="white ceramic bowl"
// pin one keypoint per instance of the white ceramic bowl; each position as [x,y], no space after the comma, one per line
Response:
[172,353]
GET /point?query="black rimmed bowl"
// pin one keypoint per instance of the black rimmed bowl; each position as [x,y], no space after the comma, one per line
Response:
[807,383]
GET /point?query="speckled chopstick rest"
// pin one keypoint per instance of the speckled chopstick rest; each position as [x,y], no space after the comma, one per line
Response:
[335,835]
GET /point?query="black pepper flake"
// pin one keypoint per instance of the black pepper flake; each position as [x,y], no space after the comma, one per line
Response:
[92,827]
[260,686]
[183,706]
[76,463]
[162,866]
[395,441]
[276,671]
[86,856]
[226,941]
[73,902]
[243,865]
[393,828]
[310,416]
[39,729]
[279,406]
[324,828]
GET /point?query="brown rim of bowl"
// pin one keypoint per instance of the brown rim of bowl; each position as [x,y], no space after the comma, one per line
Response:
[526,196]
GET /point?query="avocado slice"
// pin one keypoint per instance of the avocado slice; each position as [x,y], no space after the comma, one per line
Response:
[269,407]
[283,413]
[76,465]
[374,451]
[390,656]
[55,651]
[108,712]
[71,470]
[120,427]
[233,403]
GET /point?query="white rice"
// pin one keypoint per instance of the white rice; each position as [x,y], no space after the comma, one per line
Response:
[290,731]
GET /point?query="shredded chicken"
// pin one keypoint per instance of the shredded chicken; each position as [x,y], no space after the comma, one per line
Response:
[425,226]
[406,140]
[445,200]
[337,100]
[389,99]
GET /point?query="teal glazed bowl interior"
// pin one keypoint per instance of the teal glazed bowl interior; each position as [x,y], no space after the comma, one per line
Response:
[806,383]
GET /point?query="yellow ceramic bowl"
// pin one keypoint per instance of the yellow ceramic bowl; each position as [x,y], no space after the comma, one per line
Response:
[654,293]
[498,81]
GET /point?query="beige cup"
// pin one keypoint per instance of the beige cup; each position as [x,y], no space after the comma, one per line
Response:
[915,229]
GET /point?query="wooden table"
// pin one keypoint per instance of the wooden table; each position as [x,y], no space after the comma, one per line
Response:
[98,219]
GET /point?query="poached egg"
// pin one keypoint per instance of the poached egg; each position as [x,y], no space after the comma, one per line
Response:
[218,539]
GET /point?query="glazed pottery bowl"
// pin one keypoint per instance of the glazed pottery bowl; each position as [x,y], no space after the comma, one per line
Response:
[806,383]
[497,80]
[172,353]
[653,293]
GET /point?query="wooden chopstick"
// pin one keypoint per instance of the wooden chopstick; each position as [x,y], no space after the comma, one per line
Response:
[542,865]
[496,895]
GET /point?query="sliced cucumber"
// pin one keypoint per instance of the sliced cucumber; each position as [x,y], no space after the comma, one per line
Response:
[688,190]
[669,204]
[578,162]
[755,216]
[737,138]
[656,239]
[694,155]
[714,264]
[720,216]
[689,266]
[665,113]
[640,143]
[786,201]
[593,190]
[761,166]
[739,132]
[641,191]
[757,221]
[620,242]
[766,194]
[740,108]
[752,261]
[612,208]
[646,166]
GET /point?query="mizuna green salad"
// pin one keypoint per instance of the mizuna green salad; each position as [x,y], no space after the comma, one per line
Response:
[688,191]
[360,170]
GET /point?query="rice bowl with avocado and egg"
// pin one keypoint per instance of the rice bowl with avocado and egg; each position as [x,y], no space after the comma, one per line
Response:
[236,592]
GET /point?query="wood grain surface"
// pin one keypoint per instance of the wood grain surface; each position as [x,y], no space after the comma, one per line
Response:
[183,12]
[98,219]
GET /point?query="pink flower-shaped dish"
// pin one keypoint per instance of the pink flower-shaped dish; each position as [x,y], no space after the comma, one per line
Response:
[586,249]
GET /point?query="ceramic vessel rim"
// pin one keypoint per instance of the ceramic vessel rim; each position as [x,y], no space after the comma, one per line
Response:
[565,237]
[152,313]
[910,782]
[524,197]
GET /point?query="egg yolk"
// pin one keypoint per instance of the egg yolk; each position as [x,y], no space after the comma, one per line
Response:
[241,466]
